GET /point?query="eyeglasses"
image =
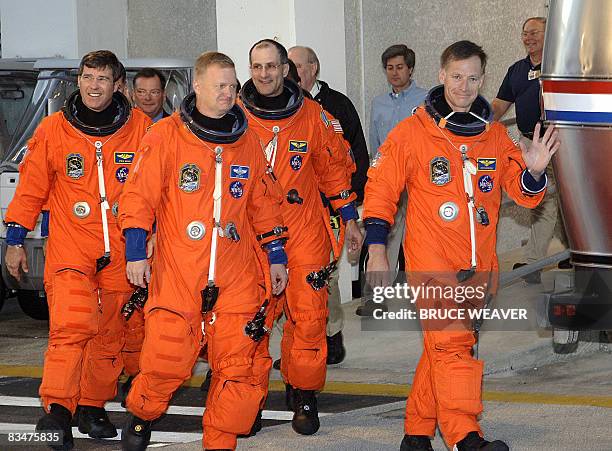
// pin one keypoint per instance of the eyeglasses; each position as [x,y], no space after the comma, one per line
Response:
[531,34]
[269,67]
[90,78]
[152,92]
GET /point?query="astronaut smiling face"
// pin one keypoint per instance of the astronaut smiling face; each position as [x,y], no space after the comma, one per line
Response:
[96,87]
[267,71]
[462,80]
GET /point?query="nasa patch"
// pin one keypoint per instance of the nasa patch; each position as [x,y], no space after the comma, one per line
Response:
[485,183]
[296,162]
[124,157]
[75,167]
[236,189]
[189,178]
[298,146]
[121,174]
[239,172]
[439,171]
[487,164]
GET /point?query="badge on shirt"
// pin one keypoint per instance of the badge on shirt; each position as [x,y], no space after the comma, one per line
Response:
[75,167]
[485,184]
[533,74]
[439,171]
[337,126]
[298,146]
[189,178]
[122,174]
[239,172]
[124,157]
[236,189]
[296,162]
[487,164]
[324,118]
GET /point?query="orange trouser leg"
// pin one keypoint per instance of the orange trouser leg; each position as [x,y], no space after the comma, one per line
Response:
[169,351]
[237,388]
[304,344]
[134,337]
[262,364]
[102,361]
[455,379]
[73,322]
[421,405]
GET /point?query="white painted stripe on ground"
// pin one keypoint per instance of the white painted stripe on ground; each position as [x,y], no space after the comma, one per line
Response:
[601,103]
[22,401]
[156,436]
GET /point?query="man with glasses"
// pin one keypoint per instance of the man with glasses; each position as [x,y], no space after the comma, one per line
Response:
[309,156]
[76,164]
[149,94]
[521,86]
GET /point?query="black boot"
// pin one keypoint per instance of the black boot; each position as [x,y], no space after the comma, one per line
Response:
[335,349]
[58,420]
[94,422]
[368,307]
[206,382]
[416,443]
[125,389]
[474,442]
[289,397]
[136,434]
[255,428]
[306,416]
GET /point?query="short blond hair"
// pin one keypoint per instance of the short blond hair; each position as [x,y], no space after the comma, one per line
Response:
[207,59]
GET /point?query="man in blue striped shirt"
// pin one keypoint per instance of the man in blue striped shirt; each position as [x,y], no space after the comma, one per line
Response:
[388,110]
[392,107]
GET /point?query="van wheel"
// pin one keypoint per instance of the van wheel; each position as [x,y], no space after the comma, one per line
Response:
[33,303]
[565,341]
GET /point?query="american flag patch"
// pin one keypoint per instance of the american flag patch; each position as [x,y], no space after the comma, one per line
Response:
[336,125]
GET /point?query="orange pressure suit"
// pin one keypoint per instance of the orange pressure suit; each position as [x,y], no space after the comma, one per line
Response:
[174,183]
[426,160]
[310,158]
[86,330]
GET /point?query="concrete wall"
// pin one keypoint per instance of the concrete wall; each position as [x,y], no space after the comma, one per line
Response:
[102,25]
[320,24]
[177,28]
[63,28]
[428,28]
[354,61]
